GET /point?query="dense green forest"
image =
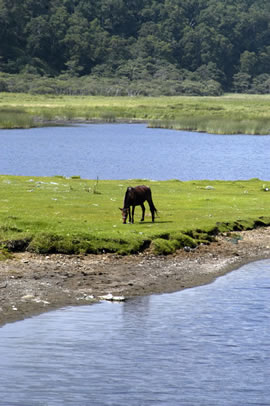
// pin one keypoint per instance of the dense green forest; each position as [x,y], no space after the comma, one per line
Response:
[145,46]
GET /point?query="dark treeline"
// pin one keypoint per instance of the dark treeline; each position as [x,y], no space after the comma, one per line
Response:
[195,46]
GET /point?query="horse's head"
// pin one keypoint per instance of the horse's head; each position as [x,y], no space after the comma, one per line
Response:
[124,215]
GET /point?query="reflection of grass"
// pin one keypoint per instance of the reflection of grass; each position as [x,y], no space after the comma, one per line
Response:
[227,114]
[60,215]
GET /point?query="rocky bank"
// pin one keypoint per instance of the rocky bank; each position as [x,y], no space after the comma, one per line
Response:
[31,284]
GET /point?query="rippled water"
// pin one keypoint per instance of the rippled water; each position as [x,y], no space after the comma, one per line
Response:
[205,346]
[132,151]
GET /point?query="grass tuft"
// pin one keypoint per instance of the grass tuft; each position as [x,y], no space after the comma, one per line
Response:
[5,254]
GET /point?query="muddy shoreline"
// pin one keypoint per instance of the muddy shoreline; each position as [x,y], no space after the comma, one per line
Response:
[31,284]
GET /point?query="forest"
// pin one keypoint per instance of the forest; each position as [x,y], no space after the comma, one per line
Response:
[135,47]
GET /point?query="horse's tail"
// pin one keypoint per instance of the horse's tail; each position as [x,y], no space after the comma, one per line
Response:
[153,208]
[151,203]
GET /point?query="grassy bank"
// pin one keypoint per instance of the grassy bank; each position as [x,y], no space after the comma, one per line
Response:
[229,114]
[47,215]
[11,118]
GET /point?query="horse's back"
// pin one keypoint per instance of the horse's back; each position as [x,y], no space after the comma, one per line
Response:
[142,189]
[138,194]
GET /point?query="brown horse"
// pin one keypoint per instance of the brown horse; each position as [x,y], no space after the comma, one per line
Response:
[136,196]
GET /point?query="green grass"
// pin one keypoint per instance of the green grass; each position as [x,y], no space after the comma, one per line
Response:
[47,215]
[11,118]
[229,114]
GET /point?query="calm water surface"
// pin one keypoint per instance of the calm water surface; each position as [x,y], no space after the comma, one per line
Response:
[132,151]
[205,346]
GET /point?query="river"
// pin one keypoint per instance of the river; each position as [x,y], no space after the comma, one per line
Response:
[205,346]
[132,151]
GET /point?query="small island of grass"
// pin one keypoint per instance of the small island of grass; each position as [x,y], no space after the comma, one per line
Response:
[77,216]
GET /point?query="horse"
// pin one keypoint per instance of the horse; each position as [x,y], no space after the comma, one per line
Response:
[136,196]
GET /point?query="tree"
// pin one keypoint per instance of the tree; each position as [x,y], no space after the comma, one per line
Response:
[77,44]
[38,37]
[241,82]
[248,61]
[196,39]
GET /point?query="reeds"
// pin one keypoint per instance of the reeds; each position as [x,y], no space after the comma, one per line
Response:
[222,125]
[230,114]
[15,118]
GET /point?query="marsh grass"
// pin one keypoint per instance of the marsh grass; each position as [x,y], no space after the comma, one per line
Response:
[59,215]
[216,126]
[229,114]
[15,118]
[108,117]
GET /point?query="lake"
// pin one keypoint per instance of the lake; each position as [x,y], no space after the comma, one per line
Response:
[205,346]
[132,151]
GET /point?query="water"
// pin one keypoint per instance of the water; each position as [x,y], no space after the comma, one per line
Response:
[132,151]
[206,346]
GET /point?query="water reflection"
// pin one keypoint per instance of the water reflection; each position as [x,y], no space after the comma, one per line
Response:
[205,346]
[137,308]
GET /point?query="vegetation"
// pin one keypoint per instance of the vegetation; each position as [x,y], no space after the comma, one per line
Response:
[15,118]
[135,47]
[59,215]
[93,85]
[229,114]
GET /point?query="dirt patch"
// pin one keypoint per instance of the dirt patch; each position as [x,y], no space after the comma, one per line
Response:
[31,284]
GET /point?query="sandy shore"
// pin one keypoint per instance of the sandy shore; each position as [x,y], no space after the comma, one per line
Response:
[31,284]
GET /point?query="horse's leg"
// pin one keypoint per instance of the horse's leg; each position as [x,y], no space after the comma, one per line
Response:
[143,211]
[129,217]
[133,211]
